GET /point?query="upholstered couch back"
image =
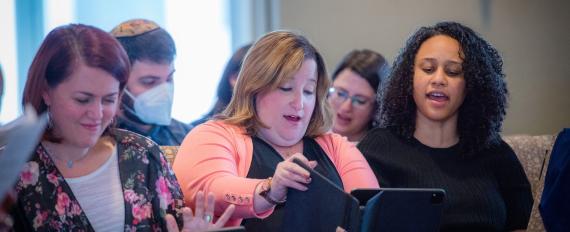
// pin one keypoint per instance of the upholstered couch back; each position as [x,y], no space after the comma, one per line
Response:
[533,152]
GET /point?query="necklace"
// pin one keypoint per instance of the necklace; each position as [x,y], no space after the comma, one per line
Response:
[68,163]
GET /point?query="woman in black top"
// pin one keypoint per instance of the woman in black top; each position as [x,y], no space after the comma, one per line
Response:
[440,118]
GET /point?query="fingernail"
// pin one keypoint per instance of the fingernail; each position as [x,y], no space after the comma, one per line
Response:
[309,180]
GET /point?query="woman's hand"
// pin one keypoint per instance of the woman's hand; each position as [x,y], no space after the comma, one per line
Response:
[202,220]
[290,175]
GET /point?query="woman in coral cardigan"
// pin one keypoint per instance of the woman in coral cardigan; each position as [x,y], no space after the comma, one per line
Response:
[278,113]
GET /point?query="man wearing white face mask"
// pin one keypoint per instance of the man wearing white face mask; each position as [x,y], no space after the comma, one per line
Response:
[147,102]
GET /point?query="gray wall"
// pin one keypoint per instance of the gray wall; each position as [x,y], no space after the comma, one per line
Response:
[533,37]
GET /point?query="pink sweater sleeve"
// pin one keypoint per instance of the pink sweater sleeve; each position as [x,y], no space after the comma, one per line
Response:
[215,157]
[349,161]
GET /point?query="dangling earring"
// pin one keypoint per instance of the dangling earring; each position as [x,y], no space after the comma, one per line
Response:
[49,119]
[111,124]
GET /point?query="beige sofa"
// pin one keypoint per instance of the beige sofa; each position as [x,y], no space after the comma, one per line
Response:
[533,152]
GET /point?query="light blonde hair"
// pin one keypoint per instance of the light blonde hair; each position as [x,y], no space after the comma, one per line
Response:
[270,62]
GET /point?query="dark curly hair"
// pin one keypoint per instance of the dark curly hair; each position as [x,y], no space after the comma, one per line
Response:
[483,110]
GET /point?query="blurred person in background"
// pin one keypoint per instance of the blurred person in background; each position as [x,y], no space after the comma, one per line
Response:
[146,106]
[353,93]
[226,84]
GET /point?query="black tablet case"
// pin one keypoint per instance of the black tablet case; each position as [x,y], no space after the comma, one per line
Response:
[323,207]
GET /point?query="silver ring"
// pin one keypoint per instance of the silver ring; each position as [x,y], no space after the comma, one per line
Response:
[208,218]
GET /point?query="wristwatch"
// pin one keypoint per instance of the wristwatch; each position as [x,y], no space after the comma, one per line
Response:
[265,189]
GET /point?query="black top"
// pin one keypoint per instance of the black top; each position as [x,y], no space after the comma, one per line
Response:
[486,191]
[263,164]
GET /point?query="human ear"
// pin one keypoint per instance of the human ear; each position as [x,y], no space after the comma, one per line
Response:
[47,98]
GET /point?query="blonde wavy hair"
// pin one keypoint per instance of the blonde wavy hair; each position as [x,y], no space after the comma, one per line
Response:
[270,62]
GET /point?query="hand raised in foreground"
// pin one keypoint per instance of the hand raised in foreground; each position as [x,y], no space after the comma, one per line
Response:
[202,219]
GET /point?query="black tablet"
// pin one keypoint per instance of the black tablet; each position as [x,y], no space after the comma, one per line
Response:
[323,207]
[401,209]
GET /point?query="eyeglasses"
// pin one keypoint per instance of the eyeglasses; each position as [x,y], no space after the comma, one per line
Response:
[339,96]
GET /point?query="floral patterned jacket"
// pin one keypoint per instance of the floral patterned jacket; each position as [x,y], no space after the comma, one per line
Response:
[46,202]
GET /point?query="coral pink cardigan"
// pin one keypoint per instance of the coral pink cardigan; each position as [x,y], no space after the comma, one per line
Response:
[216,157]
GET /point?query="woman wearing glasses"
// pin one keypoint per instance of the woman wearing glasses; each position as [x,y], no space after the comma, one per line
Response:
[357,77]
